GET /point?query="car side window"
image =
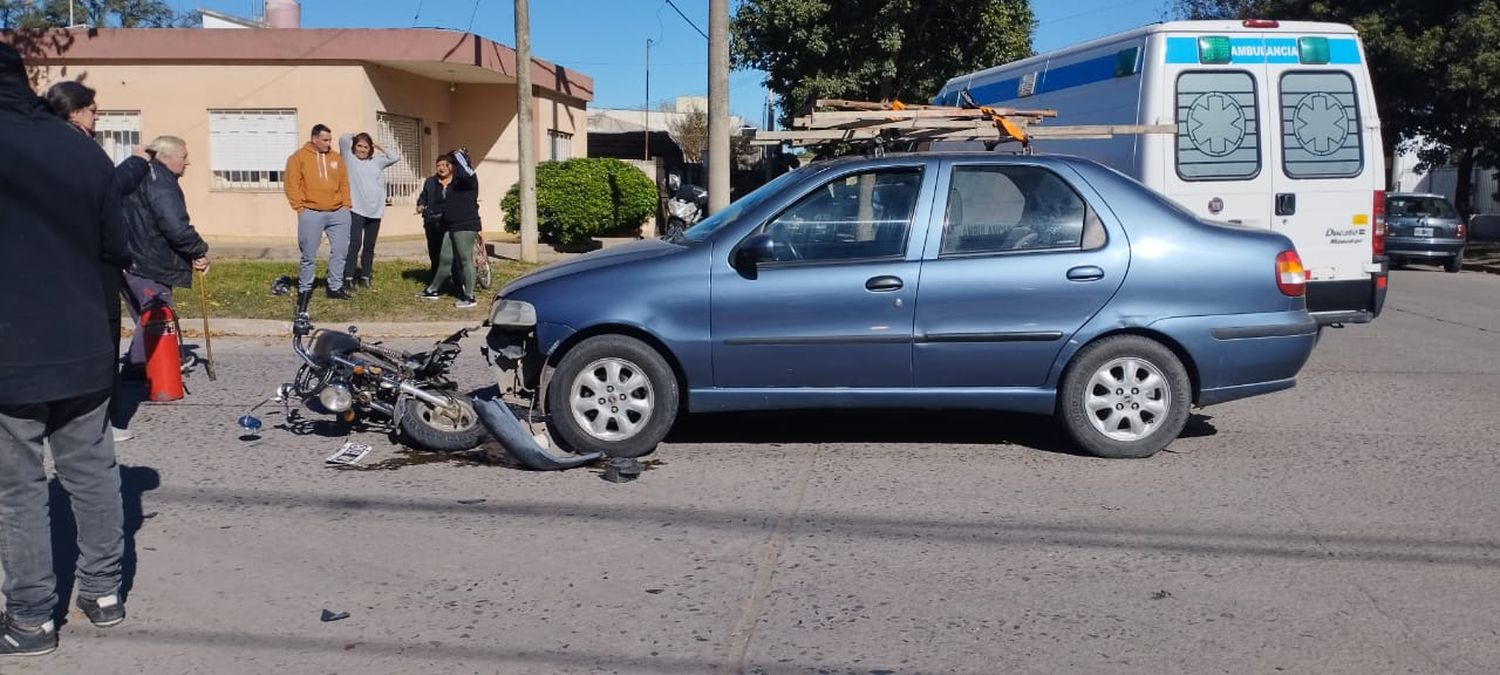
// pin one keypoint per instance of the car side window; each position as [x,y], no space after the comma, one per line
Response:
[995,209]
[859,216]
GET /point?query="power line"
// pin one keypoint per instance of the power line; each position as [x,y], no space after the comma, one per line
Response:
[472,14]
[689,21]
[418,15]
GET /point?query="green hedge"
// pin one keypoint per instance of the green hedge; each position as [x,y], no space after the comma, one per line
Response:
[582,197]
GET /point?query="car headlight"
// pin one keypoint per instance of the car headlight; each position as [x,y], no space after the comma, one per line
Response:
[512,314]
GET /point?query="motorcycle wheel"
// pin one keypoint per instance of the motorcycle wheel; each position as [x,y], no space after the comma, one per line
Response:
[675,227]
[453,430]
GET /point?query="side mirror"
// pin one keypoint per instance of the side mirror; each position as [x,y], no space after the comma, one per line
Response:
[752,252]
[673,182]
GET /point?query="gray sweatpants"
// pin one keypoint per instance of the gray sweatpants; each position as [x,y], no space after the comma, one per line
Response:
[311,226]
[77,431]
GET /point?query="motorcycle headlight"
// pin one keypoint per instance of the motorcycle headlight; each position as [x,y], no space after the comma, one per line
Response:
[336,397]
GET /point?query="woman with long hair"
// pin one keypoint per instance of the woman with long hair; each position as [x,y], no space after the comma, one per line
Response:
[366,162]
[459,221]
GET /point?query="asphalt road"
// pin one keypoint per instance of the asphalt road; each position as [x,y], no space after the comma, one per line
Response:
[1346,526]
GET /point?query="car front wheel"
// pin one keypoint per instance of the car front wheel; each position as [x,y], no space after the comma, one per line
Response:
[612,394]
[1125,396]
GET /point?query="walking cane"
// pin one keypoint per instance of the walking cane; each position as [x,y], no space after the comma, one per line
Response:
[208,340]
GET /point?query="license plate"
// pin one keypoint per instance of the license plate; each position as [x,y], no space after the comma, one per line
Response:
[1421,232]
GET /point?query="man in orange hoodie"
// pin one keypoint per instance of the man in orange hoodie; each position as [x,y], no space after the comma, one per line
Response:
[317,187]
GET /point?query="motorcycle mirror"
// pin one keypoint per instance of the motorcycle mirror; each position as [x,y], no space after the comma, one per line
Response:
[250,424]
[673,182]
[282,285]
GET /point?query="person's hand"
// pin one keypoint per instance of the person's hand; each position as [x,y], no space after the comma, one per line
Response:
[201,264]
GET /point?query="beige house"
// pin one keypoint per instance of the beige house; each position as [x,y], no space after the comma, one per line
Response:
[246,99]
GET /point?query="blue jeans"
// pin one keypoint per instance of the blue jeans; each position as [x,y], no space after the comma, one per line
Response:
[77,431]
[311,226]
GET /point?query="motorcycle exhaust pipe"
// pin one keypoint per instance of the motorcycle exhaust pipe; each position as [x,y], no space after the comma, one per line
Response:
[417,392]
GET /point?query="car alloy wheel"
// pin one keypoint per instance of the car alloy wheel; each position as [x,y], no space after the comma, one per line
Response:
[612,399]
[1127,399]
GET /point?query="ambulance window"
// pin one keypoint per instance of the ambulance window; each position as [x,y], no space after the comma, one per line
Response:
[1218,126]
[1320,125]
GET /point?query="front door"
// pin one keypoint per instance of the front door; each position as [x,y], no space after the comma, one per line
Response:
[834,308]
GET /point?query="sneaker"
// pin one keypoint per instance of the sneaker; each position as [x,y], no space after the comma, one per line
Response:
[18,640]
[120,435]
[429,294]
[103,611]
[348,282]
[339,294]
[465,303]
[364,282]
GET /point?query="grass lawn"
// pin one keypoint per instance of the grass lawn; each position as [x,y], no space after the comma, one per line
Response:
[241,289]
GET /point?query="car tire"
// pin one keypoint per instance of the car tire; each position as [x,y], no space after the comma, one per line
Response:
[1145,418]
[1454,265]
[599,422]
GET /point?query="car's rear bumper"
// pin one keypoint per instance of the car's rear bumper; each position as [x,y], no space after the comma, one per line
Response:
[1351,300]
[1407,247]
[1240,355]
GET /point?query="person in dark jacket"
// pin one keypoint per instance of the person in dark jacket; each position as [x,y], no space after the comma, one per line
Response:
[59,221]
[430,204]
[164,247]
[74,102]
[460,223]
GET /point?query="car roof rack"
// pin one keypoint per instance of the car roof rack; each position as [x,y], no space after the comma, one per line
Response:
[883,124]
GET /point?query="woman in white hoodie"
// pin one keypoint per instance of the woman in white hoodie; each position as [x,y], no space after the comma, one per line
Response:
[366,162]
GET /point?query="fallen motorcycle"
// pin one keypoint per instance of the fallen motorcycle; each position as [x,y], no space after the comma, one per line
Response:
[356,380]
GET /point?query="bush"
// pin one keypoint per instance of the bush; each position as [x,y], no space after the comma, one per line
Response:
[582,197]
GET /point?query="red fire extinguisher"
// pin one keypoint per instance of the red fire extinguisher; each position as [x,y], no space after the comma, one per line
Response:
[163,359]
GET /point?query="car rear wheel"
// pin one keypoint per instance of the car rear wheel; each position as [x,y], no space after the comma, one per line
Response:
[612,394]
[1125,396]
[1454,265]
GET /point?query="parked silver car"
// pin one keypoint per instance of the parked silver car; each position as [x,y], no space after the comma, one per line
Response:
[1424,227]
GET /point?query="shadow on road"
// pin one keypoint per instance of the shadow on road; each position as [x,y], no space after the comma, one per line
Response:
[134,482]
[946,427]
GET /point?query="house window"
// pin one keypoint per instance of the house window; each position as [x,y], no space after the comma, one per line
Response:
[562,144]
[248,149]
[403,180]
[118,132]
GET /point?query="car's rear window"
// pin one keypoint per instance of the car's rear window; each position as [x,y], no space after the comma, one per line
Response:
[1419,207]
[1320,135]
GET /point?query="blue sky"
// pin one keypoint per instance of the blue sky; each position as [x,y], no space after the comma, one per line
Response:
[606,39]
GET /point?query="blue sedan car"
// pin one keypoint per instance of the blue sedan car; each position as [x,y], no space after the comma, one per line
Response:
[1048,285]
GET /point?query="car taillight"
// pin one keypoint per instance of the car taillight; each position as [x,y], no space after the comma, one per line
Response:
[1377,218]
[1291,276]
[1462,230]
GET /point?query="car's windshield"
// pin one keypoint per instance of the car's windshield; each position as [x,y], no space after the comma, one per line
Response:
[1418,207]
[705,228]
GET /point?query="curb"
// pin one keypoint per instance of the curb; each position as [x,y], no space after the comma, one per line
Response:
[1491,267]
[270,328]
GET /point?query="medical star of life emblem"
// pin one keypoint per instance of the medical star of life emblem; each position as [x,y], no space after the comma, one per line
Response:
[1320,124]
[1216,124]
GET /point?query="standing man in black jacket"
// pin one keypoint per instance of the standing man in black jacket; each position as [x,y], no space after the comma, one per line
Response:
[164,247]
[59,222]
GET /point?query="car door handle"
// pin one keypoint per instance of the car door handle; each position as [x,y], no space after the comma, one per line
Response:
[1286,204]
[883,284]
[1085,273]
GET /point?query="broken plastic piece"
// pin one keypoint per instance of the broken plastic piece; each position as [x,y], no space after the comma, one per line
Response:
[334,616]
[622,470]
[503,425]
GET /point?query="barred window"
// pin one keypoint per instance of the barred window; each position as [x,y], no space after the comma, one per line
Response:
[248,149]
[118,132]
[403,180]
[562,144]
[1320,125]
[1218,126]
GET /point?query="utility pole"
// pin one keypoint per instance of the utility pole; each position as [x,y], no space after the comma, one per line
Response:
[646,141]
[527,155]
[718,105]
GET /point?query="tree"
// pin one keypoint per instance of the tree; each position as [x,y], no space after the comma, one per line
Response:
[38,14]
[1435,66]
[874,49]
[689,130]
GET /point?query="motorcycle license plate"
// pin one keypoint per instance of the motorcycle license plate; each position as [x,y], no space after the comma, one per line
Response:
[1421,232]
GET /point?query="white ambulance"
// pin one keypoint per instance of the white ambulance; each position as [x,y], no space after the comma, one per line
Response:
[1276,128]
